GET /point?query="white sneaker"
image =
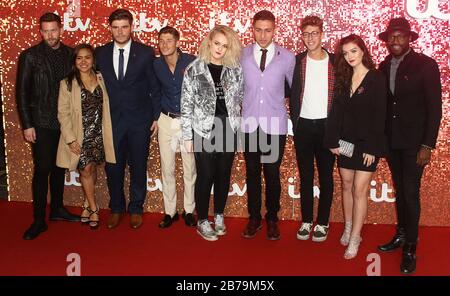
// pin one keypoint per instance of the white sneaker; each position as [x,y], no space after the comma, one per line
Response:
[320,233]
[205,230]
[219,224]
[304,231]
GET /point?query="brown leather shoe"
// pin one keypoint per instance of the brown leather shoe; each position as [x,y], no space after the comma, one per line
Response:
[273,232]
[252,227]
[114,220]
[135,221]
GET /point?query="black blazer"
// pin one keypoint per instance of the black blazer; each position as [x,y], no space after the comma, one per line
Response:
[134,100]
[414,111]
[297,87]
[360,119]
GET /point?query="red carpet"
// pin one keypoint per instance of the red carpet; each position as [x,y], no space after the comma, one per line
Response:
[179,250]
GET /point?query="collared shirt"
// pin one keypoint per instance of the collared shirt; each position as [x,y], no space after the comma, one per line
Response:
[258,53]
[126,55]
[171,82]
[395,62]
[264,92]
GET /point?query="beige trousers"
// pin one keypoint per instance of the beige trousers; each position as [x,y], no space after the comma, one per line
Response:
[170,142]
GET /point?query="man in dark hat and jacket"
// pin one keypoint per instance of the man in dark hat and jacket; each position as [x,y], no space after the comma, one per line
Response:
[414,113]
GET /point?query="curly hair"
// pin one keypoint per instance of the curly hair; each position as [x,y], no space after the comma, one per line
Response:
[312,20]
[232,55]
[344,71]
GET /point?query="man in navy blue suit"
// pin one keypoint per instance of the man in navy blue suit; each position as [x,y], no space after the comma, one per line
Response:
[127,67]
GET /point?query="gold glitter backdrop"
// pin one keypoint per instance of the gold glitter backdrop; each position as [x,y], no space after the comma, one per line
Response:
[86,21]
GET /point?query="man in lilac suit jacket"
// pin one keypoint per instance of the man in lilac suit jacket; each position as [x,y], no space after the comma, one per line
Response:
[266,68]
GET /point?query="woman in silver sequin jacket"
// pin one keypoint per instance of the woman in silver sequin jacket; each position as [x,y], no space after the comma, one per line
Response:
[211,99]
[198,95]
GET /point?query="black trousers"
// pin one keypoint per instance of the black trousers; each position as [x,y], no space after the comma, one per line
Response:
[406,175]
[213,161]
[308,140]
[44,158]
[266,152]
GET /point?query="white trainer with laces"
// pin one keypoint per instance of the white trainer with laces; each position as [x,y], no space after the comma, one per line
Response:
[219,224]
[304,231]
[320,233]
[206,231]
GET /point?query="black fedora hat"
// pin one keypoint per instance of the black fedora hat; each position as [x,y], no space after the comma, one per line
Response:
[398,24]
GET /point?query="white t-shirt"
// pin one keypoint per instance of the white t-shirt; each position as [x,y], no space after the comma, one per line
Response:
[315,95]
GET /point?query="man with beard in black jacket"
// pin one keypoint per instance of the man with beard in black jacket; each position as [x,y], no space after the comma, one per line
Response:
[40,70]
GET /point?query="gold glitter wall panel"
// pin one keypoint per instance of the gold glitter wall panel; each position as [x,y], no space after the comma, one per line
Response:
[86,21]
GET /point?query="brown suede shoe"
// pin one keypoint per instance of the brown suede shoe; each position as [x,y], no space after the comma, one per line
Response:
[252,227]
[135,221]
[114,220]
[273,232]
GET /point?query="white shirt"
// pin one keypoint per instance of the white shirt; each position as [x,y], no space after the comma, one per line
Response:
[258,53]
[126,55]
[315,95]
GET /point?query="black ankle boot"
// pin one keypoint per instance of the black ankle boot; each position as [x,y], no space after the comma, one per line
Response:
[397,241]
[408,264]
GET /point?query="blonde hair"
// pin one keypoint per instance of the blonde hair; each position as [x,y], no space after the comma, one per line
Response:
[232,55]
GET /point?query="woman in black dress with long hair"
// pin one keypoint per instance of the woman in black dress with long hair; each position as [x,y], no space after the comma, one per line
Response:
[357,117]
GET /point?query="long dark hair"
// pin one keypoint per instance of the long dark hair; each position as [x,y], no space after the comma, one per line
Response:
[344,71]
[74,72]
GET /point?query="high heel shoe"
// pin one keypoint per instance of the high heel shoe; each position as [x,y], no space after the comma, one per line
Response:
[94,224]
[85,214]
[352,249]
[345,238]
